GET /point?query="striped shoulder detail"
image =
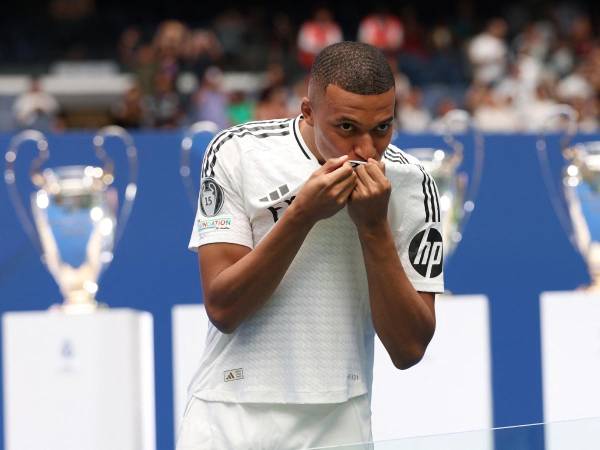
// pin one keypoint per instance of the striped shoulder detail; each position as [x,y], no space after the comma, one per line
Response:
[395,155]
[430,193]
[257,129]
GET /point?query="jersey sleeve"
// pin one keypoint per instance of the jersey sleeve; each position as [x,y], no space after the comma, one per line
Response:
[221,215]
[415,217]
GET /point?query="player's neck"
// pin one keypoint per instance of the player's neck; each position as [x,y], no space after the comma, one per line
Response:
[308,135]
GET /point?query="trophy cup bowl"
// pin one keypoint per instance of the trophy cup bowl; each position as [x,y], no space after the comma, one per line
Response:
[579,187]
[456,188]
[75,215]
[201,127]
[443,167]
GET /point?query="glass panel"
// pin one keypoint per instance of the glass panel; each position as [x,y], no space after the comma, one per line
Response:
[581,434]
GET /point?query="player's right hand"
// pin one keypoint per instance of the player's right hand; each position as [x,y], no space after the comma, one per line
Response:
[326,191]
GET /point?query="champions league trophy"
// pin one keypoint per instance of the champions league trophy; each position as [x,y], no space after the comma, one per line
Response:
[578,208]
[202,127]
[74,210]
[456,188]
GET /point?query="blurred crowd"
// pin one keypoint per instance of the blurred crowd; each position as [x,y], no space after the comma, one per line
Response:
[510,72]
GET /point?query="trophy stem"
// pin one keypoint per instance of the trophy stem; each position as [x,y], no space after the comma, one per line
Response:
[79,302]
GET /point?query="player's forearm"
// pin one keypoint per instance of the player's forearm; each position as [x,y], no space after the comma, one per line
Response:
[403,321]
[243,288]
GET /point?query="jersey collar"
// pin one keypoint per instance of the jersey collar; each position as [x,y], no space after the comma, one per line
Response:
[303,147]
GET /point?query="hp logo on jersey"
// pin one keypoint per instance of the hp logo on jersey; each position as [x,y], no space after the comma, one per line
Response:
[211,197]
[426,253]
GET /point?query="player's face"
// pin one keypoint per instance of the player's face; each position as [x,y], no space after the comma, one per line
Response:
[344,123]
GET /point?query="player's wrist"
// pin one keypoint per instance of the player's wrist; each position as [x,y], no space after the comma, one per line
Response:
[300,216]
[374,230]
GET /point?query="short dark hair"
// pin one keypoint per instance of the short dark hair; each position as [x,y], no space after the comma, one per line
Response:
[353,66]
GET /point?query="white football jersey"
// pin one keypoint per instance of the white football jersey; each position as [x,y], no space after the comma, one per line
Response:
[312,342]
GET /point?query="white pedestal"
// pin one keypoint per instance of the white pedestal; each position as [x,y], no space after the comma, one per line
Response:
[79,382]
[570,328]
[450,389]
[190,325]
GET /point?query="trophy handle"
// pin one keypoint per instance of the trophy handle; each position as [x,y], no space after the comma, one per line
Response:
[108,169]
[571,116]
[204,126]
[35,172]
[463,118]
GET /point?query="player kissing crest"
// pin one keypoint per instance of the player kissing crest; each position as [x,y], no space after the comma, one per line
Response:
[211,197]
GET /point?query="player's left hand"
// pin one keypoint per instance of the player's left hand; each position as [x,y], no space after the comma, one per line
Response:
[369,200]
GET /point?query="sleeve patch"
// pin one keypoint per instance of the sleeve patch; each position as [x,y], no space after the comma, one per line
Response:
[426,253]
[214,224]
[211,197]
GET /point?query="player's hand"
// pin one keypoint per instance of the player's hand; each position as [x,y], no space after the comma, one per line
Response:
[369,200]
[326,191]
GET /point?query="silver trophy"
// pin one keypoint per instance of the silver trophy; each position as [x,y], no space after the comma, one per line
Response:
[203,127]
[76,222]
[457,189]
[576,199]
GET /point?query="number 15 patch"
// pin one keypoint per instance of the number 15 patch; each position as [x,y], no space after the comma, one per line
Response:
[211,197]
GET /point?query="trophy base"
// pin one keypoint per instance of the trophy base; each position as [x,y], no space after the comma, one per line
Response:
[78,307]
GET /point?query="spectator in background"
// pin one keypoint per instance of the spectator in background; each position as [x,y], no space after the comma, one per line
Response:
[128,46]
[316,34]
[164,107]
[442,107]
[210,102]
[412,116]
[383,30]
[445,64]
[488,52]
[200,50]
[239,109]
[581,36]
[298,91]
[37,109]
[492,113]
[272,104]
[168,44]
[146,68]
[534,113]
[130,111]
[275,75]
[578,91]
[413,55]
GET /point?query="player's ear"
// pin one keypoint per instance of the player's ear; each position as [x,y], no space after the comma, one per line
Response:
[307,111]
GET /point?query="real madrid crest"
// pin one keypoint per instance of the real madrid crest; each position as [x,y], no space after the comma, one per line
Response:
[211,197]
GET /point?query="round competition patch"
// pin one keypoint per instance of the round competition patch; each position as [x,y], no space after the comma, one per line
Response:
[211,197]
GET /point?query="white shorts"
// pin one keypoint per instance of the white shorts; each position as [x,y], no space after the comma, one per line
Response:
[269,426]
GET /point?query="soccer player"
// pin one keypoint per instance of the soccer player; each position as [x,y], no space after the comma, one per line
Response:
[305,254]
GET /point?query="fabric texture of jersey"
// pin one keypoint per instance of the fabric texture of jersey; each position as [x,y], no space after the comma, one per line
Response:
[312,342]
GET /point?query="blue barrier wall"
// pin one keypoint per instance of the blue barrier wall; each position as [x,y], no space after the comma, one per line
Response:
[513,248]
